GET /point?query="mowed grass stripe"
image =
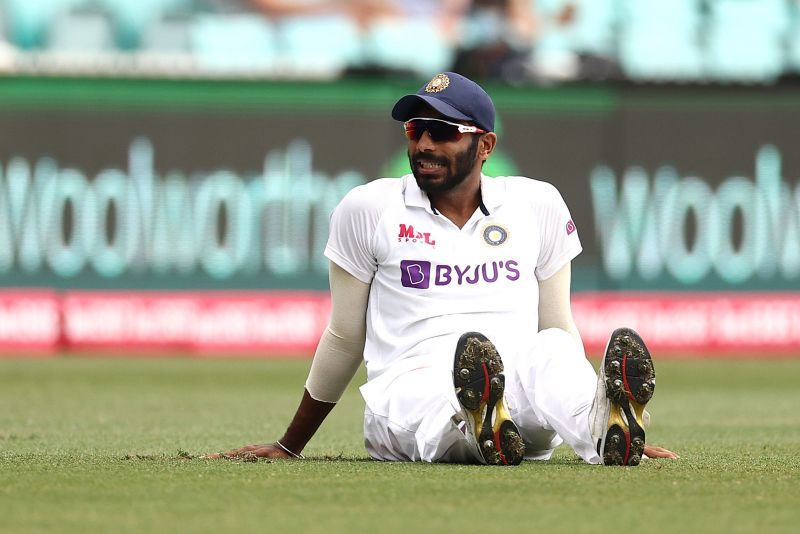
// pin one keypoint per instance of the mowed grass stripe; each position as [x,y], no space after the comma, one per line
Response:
[90,444]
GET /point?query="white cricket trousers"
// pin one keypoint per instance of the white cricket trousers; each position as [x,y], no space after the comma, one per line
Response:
[550,387]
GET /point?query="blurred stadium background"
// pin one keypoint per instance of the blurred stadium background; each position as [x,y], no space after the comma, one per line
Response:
[167,167]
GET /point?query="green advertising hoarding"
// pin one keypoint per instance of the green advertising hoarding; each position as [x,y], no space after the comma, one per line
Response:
[197,184]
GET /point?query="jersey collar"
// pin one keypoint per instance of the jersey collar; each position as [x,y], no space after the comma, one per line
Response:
[492,194]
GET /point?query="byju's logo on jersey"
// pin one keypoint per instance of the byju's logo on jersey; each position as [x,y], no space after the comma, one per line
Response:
[415,273]
[418,274]
[408,234]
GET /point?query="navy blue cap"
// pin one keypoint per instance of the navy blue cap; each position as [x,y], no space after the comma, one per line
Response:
[452,95]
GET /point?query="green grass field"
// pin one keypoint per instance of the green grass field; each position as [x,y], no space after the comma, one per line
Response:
[89,445]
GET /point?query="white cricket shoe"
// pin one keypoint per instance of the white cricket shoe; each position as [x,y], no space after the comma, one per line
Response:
[479,382]
[625,384]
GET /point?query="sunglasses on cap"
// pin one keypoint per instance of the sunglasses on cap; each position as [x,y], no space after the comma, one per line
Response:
[439,130]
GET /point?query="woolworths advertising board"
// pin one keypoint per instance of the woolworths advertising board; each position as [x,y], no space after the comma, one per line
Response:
[194,215]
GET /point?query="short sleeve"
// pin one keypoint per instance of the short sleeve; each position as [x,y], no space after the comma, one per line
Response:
[351,235]
[559,237]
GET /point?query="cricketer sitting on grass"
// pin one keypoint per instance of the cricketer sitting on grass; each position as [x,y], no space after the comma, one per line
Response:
[437,274]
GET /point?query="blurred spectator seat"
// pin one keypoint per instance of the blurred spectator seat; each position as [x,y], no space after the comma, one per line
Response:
[569,30]
[416,44]
[592,31]
[28,20]
[318,45]
[168,35]
[80,32]
[746,39]
[166,45]
[3,34]
[583,26]
[132,17]
[7,50]
[794,39]
[660,40]
[234,44]
[495,39]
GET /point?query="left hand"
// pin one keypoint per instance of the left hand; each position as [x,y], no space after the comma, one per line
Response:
[653,451]
[261,450]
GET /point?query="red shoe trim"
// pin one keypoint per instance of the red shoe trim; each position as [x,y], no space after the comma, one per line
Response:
[625,384]
[485,384]
[627,448]
[497,446]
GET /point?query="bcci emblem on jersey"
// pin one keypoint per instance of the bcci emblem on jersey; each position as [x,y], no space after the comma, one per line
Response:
[495,235]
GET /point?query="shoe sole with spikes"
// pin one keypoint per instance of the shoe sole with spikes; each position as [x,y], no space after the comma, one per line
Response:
[479,382]
[630,381]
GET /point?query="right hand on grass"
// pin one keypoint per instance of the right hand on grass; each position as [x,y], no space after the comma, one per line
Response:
[260,450]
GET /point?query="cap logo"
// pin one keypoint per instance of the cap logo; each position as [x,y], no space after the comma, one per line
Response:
[439,83]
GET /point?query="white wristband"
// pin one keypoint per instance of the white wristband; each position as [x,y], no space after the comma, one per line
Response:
[287,451]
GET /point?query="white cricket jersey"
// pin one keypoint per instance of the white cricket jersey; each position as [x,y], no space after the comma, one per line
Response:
[432,281]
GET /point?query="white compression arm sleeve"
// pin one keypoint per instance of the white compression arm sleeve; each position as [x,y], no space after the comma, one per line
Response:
[554,302]
[341,348]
